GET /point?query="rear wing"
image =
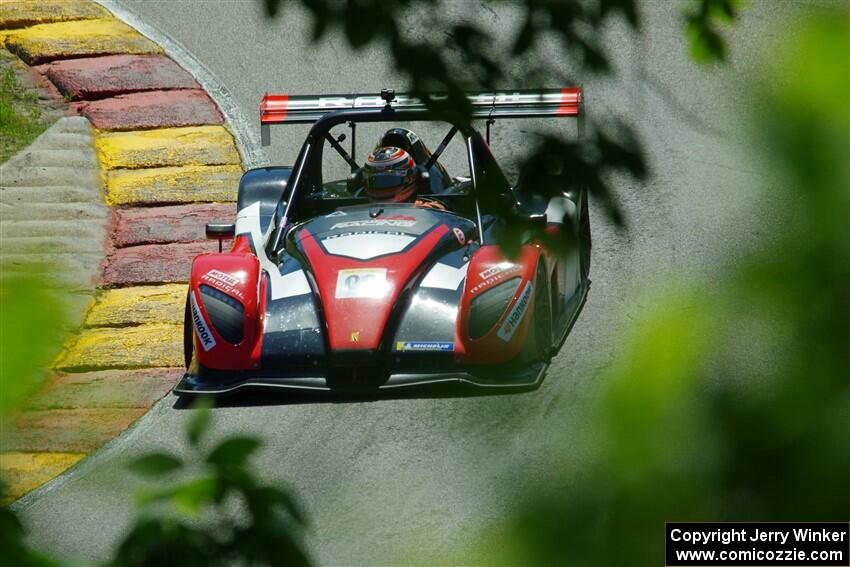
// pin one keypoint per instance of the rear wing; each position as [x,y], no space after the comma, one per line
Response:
[306,109]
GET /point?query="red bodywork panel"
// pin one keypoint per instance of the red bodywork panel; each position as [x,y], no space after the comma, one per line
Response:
[237,275]
[354,320]
[488,268]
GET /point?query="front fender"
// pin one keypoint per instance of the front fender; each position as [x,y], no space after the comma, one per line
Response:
[501,292]
[225,310]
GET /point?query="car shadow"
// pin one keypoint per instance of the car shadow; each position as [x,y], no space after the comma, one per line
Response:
[267,397]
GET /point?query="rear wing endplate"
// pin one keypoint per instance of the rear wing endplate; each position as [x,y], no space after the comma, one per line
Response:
[306,109]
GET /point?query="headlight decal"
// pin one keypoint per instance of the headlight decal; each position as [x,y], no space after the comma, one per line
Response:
[226,313]
[487,308]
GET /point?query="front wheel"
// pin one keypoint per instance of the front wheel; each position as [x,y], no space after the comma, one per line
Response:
[584,236]
[542,317]
[188,338]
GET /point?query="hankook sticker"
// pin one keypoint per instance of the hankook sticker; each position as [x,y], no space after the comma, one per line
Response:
[508,328]
[202,328]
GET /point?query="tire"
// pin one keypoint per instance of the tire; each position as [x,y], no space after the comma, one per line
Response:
[542,320]
[188,339]
[584,237]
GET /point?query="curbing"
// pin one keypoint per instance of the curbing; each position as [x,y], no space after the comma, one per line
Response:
[188,157]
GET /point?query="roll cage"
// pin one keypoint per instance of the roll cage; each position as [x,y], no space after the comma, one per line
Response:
[307,166]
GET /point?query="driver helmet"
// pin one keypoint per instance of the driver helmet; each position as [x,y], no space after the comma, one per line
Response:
[390,175]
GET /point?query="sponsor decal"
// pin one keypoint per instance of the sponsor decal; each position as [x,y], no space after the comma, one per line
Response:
[202,328]
[355,336]
[335,214]
[495,274]
[224,282]
[424,346]
[461,237]
[362,232]
[362,283]
[405,222]
[497,269]
[512,321]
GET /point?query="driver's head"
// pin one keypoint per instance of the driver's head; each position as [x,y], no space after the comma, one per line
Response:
[390,175]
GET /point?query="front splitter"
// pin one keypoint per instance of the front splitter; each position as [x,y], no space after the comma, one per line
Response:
[194,385]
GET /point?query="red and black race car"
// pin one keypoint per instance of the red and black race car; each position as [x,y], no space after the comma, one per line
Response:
[324,290]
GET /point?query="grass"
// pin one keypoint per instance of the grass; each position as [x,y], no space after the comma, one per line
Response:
[21,117]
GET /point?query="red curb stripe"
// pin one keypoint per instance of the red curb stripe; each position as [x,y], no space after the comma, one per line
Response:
[101,77]
[153,263]
[162,225]
[106,389]
[69,430]
[154,109]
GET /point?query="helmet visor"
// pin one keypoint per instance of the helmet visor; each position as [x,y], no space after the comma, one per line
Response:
[387,180]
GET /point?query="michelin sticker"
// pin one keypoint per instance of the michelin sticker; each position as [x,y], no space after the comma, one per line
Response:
[508,328]
[202,328]
[427,346]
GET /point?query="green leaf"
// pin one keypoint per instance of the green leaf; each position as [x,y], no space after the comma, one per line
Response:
[31,333]
[191,496]
[155,465]
[233,451]
[200,421]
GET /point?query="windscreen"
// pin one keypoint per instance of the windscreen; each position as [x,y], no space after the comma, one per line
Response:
[339,177]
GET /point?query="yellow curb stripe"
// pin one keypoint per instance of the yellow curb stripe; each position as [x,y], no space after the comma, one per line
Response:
[194,145]
[189,184]
[142,304]
[21,13]
[158,344]
[24,472]
[73,39]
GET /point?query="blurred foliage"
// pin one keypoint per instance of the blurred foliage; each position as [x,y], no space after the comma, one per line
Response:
[462,55]
[703,20]
[691,425]
[15,551]
[32,321]
[32,327]
[220,514]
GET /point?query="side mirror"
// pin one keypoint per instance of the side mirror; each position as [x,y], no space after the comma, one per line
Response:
[220,232]
[424,181]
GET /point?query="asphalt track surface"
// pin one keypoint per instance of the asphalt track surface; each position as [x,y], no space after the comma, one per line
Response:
[397,480]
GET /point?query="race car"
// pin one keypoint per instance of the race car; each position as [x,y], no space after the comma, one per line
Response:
[326,289]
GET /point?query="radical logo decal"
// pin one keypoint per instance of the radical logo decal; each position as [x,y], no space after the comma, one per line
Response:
[428,346]
[400,221]
[366,282]
[224,282]
[202,328]
[335,214]
[508,328]
[495,274]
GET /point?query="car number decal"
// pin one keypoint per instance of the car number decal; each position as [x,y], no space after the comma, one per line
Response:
[362,283]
